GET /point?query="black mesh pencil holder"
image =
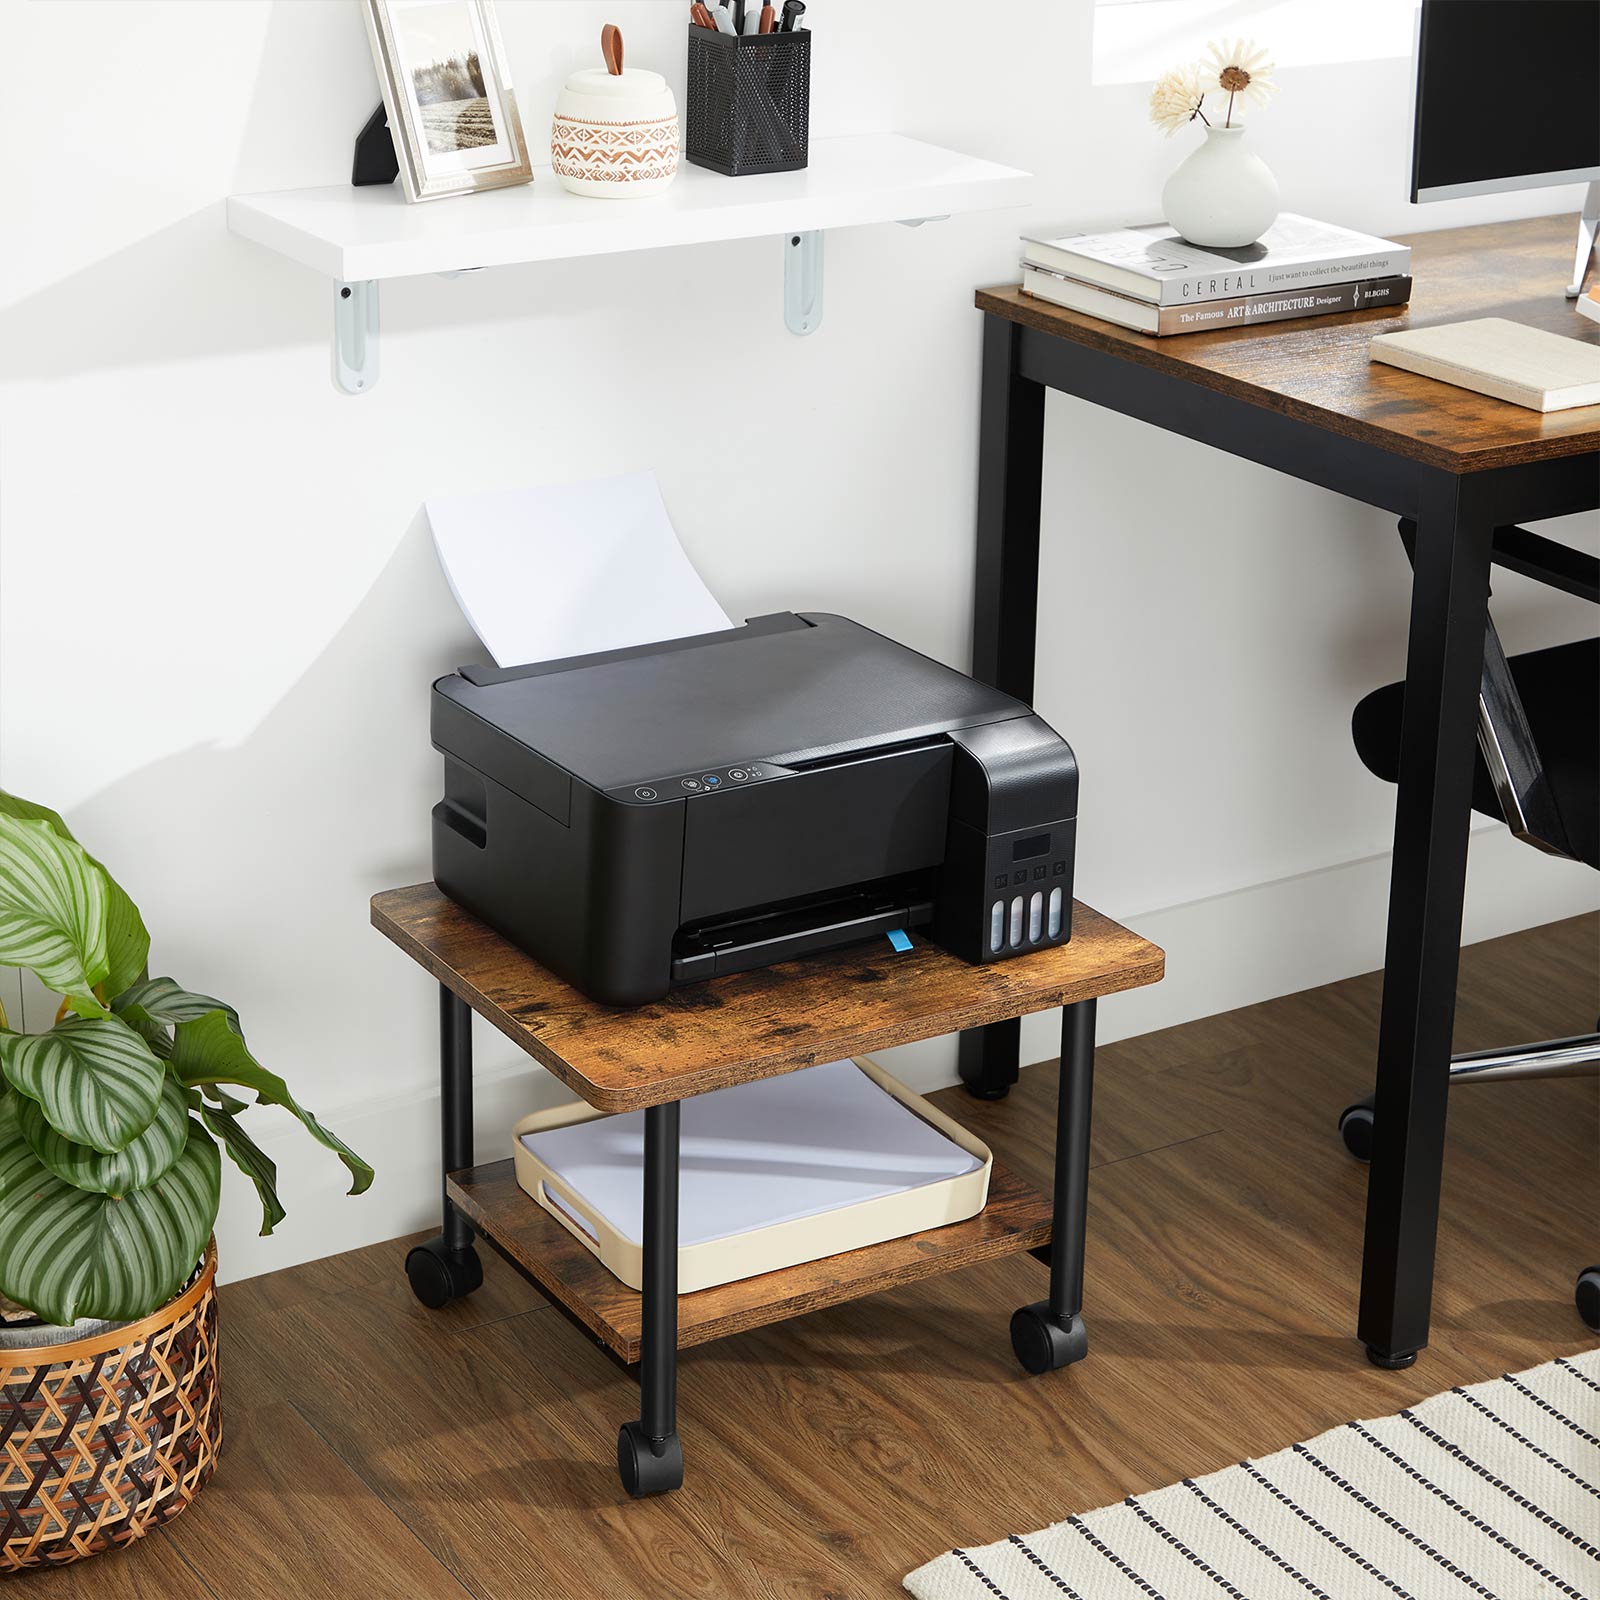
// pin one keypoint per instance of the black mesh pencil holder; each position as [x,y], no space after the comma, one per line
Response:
[749,99]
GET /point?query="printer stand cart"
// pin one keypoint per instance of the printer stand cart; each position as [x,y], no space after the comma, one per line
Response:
[714,1034]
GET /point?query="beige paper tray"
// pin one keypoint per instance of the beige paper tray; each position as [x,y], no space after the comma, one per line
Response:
[778,1245]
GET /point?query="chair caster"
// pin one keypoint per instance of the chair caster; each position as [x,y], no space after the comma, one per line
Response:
[1355,1128]
[1042,1343]
[642,1470]
[1587,1296]
[980,1091]
[1391,1363]
[438,1274]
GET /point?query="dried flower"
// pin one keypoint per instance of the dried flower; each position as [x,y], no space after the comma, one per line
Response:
[1240,66]
[1177,97]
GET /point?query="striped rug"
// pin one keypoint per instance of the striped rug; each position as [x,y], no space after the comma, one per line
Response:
[1491,1491]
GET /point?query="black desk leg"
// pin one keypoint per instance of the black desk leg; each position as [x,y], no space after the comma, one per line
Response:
[649,1456]
[1005,599]
[1050,1333]
[1433,807]
[446,1267]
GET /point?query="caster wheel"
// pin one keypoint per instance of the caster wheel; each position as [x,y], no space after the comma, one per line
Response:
[1587,1296]
[438,1274]
[642,1471]
[979,1092]
[1355,1128]
[1391,1363]
[1042,1344]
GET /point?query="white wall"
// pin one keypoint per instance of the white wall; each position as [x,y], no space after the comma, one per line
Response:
[221,617]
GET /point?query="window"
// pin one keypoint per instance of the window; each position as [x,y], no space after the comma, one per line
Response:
[1136,40]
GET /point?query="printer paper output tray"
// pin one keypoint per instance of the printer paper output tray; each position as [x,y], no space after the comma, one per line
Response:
[670,812]
[739,943]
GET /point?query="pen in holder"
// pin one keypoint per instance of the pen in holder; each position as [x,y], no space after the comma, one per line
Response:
[748,101]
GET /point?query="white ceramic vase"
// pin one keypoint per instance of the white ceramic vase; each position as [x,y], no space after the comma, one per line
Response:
[1223,195]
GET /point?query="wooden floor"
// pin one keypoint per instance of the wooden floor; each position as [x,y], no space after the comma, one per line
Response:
[376,1449]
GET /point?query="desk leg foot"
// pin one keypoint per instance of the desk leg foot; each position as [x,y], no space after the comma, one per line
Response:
[1043,1342]
[1389,1363]
[439,1274]
[645,1465]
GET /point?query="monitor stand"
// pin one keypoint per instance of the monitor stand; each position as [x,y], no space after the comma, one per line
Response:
[1588,222]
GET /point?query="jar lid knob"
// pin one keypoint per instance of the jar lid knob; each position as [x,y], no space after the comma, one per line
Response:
[611,48]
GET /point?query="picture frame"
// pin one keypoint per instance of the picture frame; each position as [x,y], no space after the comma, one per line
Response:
[448,95]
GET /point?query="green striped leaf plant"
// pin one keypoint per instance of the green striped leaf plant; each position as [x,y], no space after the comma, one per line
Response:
[114,1121]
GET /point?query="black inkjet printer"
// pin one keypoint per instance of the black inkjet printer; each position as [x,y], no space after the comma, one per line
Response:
[657,815]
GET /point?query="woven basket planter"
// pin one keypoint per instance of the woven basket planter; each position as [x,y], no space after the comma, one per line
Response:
[104,1438]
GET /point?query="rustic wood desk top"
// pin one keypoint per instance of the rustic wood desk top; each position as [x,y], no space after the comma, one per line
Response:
[752,1024]
[1316,368]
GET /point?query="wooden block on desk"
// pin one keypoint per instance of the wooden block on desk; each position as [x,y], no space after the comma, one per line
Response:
[1016,1218]
[751,1024]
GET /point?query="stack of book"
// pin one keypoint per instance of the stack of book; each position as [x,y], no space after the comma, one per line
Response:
[1151,280]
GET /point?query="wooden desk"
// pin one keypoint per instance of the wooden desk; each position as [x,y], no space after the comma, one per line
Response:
[1302,398]
[732,1030]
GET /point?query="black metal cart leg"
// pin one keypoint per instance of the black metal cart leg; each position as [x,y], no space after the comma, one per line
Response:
[649,1455]
[1005,603]
[1444,661]
[1050,1333]
[446,1267]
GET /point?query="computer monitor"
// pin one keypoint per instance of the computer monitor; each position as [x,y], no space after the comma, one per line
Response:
[1508,97]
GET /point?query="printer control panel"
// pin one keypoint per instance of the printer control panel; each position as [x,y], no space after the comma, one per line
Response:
[703,780]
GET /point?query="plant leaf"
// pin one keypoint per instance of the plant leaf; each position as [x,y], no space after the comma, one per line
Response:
[127,940]
[157,1003]
[210,1050]
[53,907]
[144,1160]
[13,805]
[251,1160]
[154,1005]
[67,1253]
[97,1081]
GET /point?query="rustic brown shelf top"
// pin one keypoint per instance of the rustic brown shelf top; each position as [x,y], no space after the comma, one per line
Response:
[1317,369]
[1016,1218]
[753,1024]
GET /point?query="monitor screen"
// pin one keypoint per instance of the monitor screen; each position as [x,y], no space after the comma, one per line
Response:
[1508,96]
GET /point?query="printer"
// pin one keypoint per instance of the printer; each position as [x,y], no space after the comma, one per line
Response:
[647,817]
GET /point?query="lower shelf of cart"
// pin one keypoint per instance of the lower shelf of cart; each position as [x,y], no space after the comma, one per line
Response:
[1016,1218]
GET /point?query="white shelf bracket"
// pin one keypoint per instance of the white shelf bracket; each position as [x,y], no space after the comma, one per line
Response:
[916,222]
[355,336]
[802,281]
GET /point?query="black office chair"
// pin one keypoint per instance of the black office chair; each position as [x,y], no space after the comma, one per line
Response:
[1538,770]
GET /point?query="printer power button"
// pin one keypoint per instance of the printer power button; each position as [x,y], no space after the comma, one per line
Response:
[644,794]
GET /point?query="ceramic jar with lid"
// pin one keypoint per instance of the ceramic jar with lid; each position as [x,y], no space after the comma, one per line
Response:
[616,130]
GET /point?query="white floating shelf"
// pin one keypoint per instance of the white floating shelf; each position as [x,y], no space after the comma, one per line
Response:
[359,237]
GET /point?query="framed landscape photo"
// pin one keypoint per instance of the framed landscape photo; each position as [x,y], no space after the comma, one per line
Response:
[447,90]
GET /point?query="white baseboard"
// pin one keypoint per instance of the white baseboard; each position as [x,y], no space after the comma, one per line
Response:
[1227,951]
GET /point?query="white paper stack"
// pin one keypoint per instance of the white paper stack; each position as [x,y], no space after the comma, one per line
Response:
[759,1154]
